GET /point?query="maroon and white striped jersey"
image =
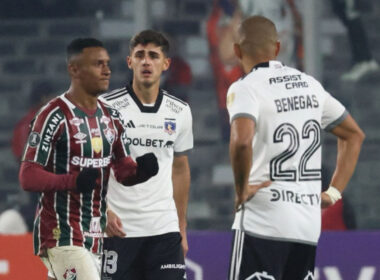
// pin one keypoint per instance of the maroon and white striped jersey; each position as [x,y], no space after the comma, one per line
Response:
[64,139]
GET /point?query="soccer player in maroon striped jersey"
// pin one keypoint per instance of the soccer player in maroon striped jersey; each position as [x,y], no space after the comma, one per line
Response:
[74,140]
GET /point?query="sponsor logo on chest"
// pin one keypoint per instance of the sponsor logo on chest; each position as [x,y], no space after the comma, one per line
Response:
[173,106]
[91,162]
[81,138]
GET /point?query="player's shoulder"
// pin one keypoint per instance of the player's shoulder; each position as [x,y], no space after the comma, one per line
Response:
[293,70]
[174,104]
[52,114]
[53,106]
[242,85]
[114,94]
[174,99]
[113,112]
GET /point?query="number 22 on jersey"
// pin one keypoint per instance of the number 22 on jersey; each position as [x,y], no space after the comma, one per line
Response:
[311,129]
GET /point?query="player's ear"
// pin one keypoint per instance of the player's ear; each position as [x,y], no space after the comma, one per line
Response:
[73,69]
[129,62]
[238,51]
[167,62]
[278,47]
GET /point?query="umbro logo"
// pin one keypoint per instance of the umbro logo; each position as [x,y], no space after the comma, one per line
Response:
[130,124]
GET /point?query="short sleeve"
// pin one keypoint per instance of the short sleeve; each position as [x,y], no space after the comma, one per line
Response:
[43,135]
[184,140]
[241,102]
[333,113]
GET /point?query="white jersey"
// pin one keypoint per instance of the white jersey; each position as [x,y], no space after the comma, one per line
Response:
[290,109]
[148,209]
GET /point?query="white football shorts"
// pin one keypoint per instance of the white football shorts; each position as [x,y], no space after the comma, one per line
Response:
[68,262]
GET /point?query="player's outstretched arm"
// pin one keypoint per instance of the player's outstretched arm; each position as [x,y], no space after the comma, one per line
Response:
[130,173]
[33,177]
[350,139]
[242,132]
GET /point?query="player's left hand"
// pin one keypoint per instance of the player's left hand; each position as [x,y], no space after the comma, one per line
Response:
[114,226]
[326,200]
[250,192]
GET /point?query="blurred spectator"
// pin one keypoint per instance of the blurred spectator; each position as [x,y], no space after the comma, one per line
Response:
[220,32]
[222,24]
[362,60]
[177,79]
[288,21]
[40,94]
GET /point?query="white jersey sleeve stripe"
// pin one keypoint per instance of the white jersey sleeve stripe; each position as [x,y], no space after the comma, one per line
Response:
[337,121]
[243,115]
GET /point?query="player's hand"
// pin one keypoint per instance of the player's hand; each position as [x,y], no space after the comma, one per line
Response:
[249,192]
[184,244]
[114,226]
[147,166]
[86,180]
[326,200]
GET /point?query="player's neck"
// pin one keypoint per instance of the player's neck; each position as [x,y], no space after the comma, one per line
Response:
[147,95]
[82,98]
[249,63]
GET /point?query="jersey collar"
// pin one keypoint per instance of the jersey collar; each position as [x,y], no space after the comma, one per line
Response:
[268,64]
[146,109]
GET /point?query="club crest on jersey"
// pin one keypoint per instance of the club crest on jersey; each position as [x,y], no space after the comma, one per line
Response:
[109,134]
[76,121]
[80,138]
[170,127]
[34,139]
[70,274]
[97,144]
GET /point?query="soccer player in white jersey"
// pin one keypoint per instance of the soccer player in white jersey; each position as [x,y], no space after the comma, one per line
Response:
[147,223]
[277,114]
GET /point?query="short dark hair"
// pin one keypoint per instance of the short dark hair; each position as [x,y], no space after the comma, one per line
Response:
[77,45]
[150,36]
